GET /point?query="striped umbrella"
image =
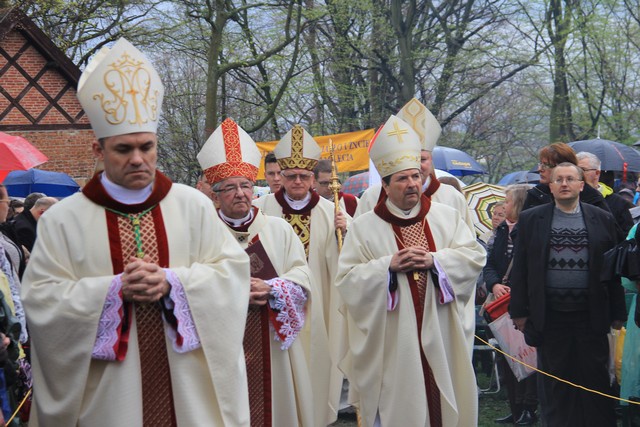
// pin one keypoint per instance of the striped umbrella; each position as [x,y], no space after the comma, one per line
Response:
[481,197]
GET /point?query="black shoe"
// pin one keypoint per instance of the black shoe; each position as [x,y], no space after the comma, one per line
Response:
[527,418]
[505,420]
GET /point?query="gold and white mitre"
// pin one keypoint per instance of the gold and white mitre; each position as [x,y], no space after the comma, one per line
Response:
[228,152]
[395,147]
[297,149]
[120,91]
[423,122]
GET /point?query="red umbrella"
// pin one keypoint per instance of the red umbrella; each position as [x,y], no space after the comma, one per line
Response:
[16,153]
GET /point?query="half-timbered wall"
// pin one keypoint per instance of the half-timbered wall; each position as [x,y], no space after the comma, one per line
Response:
[38,102]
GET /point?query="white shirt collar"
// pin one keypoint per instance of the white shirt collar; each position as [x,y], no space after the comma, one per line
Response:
[297,204]
[237,222]
[426,184]
[401,213]
[124,195]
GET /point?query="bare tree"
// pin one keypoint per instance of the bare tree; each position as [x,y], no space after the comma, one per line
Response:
[82,27]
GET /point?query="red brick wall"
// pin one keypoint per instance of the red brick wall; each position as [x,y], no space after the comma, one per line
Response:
[69,150]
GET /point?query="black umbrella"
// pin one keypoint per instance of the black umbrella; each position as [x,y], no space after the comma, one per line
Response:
[520,177]
[614,156]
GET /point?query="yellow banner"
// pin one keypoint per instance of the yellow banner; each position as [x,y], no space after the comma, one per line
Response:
[350,150]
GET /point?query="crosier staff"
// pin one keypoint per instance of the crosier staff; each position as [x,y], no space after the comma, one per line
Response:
[335,186]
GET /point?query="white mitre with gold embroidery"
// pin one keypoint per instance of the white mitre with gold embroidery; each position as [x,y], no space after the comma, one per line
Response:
[229,152]
[297,149]
[423,122]
[395,147]
[120,91]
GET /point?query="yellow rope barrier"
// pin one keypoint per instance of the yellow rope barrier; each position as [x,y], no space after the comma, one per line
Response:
[556,378]
[26,396]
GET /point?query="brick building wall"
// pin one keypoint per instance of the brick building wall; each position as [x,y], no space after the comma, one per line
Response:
[38,98]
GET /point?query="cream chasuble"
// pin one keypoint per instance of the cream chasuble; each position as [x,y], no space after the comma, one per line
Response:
[322,249]
[387,371]
[449,196]
[291,393]
[64,290]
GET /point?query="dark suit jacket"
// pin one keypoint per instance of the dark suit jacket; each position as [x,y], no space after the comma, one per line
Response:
[497,259]
[529,271]
[25,226]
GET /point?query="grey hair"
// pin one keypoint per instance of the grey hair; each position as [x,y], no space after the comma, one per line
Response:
[594,161]
[45,202]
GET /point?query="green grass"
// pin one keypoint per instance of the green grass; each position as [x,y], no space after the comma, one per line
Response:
[491,405]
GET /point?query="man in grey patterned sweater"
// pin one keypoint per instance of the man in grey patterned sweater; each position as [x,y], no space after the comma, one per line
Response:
[559,302]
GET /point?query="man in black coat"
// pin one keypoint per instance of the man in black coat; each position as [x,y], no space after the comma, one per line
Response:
[559,302]
[26,223]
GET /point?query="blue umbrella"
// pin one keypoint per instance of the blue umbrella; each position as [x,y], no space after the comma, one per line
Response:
[520,177]
[456,162]
[53,184]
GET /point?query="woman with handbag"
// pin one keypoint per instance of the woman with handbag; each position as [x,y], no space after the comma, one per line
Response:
[523,398]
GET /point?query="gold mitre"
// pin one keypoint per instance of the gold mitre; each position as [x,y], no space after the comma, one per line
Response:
[297,149]
[120,91]
[395,147]
[423,122]
[229,151]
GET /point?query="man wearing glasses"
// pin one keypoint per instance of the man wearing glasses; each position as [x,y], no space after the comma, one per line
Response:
[315,222]
[550,156]
[560,304]
[619,207]
[322,181]
[280,302]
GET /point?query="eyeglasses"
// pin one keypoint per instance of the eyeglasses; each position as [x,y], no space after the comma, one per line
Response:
[545,166]
[244,187]
[295,176]
[569,180]
[588,170]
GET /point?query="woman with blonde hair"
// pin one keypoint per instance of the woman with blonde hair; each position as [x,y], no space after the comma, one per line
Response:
[523,398]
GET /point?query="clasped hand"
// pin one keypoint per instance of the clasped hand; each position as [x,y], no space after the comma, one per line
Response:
[144,281]
[410,259]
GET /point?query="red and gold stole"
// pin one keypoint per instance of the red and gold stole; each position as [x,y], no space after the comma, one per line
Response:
[135,231]
[257,352]
[300,219]
[416,232]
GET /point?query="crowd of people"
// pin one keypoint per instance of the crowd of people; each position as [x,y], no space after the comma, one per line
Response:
[140,301]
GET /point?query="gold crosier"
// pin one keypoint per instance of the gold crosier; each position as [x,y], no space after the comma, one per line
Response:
[129,82]
[335,186]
